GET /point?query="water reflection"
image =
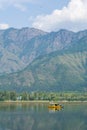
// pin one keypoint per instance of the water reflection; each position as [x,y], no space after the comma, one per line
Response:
[38,117]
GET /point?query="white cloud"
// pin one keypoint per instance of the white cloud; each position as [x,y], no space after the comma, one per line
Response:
[20,7]
[14,1]
[4,26]
[20,4]
[72,17]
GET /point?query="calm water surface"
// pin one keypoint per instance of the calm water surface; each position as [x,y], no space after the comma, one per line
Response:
[32,116]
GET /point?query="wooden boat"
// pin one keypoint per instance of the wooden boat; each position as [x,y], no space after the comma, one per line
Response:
[55,106]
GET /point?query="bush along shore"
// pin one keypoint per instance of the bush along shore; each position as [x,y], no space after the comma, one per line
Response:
[43,96]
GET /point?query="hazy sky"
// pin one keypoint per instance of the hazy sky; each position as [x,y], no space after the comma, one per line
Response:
[47,15]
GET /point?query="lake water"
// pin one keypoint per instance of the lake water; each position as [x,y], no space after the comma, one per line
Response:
[33,116]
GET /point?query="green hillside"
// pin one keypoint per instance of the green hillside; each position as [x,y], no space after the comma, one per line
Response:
[54,72]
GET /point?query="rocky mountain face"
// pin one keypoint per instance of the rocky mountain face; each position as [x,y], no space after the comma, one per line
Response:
[19,47]
[55,61]
[12,45]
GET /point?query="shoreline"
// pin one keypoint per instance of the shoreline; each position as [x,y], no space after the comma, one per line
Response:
[43,101]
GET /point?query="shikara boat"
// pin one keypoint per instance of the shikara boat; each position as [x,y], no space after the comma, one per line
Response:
[55,106]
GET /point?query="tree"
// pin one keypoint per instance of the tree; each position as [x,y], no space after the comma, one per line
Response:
[25,96]
[13,95]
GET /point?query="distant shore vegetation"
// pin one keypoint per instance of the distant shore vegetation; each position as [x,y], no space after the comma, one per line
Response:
[49,96]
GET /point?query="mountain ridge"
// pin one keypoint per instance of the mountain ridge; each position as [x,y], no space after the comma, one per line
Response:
[55,61]
[26,44]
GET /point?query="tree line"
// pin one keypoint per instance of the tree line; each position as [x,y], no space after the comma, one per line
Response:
[51,96]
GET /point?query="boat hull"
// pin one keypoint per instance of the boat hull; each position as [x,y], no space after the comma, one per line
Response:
[55,107]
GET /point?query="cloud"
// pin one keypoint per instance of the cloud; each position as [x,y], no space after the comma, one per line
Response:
[4,26]
[14,1]
[20,4]
[72,17]
[20,7]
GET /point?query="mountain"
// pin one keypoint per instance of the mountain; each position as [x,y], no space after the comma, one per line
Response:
[59,64]
[12,44]
[19,47]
